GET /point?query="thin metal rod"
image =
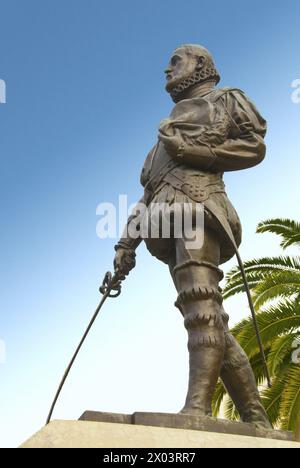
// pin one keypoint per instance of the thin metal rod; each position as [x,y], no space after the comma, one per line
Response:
[75,355]
[253,313]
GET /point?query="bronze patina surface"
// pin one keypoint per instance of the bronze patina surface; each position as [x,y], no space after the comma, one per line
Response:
[210,131]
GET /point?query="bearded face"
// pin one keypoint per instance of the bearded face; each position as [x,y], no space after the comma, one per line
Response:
[189,65]
[181,66]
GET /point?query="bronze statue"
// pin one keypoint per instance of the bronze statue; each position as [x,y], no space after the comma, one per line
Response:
[210,131]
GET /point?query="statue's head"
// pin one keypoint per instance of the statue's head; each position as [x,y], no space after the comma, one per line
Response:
[190,64]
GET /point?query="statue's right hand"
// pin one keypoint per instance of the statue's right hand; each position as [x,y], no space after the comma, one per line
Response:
[124,261]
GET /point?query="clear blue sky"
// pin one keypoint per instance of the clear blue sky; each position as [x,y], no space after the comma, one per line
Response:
[85,92]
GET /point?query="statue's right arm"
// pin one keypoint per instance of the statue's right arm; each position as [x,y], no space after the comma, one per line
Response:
[131,238]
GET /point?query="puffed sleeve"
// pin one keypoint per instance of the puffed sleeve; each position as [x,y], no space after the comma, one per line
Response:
[245,146]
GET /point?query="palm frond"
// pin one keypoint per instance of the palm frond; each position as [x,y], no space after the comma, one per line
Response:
[287,229]
[236,285]
[290,401]
[271,399]
[281,318]
[230,410]
[257,366]
[266,264]
[257,270]
[277,285]
[280,352]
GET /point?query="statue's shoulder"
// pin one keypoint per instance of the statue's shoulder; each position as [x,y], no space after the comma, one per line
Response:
[234,98]
[226,92]
[240,107]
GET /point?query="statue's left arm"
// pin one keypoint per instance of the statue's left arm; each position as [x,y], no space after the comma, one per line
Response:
[244,146]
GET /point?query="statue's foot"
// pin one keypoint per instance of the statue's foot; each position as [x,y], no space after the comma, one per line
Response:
[261,424]
[257,416]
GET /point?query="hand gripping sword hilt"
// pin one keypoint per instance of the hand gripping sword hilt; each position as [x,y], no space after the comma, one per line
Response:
[111,283]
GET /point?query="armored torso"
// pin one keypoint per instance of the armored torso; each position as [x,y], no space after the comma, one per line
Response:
[167,181]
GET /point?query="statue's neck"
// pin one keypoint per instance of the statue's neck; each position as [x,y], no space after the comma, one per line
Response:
[197,90]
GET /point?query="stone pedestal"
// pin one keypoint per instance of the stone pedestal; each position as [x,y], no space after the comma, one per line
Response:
[155,430]
[183,421]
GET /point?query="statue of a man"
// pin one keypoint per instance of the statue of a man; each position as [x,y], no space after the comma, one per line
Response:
[210,131]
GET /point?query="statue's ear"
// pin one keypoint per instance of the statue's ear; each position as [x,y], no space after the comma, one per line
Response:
[200,62]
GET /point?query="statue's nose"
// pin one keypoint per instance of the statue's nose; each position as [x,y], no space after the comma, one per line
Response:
[167,70]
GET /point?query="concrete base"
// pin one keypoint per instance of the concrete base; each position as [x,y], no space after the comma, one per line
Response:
[87,434]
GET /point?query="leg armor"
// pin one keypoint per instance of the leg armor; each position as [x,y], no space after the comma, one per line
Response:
[239,381]
[196,276]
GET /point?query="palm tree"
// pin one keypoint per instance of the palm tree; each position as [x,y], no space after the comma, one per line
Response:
[275,287]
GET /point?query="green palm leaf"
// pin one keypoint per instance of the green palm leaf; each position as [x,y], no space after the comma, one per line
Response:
[271,399]
[266,264]
[290,402]
[280,352]
[277,285]
[257,270]
[276,320]
[288,229]
[257,367]
[230,410]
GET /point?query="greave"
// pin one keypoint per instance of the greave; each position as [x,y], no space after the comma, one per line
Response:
[239,381]
[205,363]
[202,319]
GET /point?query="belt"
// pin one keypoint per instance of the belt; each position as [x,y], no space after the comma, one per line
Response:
[192,187]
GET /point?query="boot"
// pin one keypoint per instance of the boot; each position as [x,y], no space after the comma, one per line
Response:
[199,301]
[239,381]
[206,345]
[204,372]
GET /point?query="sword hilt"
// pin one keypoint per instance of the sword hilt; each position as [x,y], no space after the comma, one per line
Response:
[111,283]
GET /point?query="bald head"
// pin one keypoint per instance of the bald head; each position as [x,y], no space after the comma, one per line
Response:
[195,50]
